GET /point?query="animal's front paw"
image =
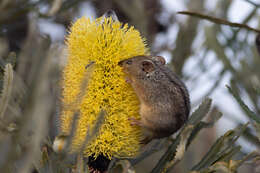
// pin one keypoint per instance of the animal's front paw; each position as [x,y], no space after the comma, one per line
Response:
[128,80]
[134,121]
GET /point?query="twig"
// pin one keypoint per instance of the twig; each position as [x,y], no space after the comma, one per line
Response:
[218,20]
[253,3]
[56,5]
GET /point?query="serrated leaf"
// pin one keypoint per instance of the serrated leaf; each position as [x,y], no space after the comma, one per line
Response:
[7,89]
[200,112]
[184,139]
[122,166]
[257,89]
[230,153]
[257,128]
[181,148]
[222,167]
[11,58]
[220,148]
[195,118]
[230,166]
[215,115]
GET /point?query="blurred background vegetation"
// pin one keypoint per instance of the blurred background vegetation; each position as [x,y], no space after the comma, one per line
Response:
[208,56]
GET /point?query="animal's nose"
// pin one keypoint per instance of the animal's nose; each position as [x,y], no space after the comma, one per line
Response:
[121,63]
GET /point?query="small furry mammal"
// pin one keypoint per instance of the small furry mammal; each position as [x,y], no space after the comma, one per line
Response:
[164,99]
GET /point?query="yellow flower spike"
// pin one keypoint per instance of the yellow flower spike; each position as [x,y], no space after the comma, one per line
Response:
[106,42]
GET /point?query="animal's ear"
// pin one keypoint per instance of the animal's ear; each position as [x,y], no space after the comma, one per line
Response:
[159,60]
[148,66]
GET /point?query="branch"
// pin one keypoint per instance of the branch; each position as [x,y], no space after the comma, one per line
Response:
[219,21]
[252,3]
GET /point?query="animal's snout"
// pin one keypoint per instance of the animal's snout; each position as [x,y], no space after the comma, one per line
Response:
[121,63]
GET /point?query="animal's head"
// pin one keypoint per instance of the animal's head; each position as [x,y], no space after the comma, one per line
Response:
[141,66]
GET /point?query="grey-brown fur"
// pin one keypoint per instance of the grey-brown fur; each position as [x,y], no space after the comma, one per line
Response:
[164,99]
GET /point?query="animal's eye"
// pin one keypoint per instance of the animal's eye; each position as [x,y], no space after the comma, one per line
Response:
[129,62]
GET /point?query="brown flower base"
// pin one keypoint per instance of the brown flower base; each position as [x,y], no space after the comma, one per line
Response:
[98,165]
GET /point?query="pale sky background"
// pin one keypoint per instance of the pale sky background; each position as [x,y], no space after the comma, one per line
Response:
[221,97]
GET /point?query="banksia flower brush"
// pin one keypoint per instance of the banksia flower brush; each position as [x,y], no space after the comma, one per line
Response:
[104,42]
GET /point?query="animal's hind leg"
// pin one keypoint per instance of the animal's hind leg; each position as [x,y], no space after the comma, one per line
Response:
[146,139]
[147,134]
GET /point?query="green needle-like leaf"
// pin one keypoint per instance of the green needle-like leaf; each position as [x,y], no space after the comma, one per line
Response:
[247,110]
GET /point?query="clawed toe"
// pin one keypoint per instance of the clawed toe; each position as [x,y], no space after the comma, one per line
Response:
[134,121]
